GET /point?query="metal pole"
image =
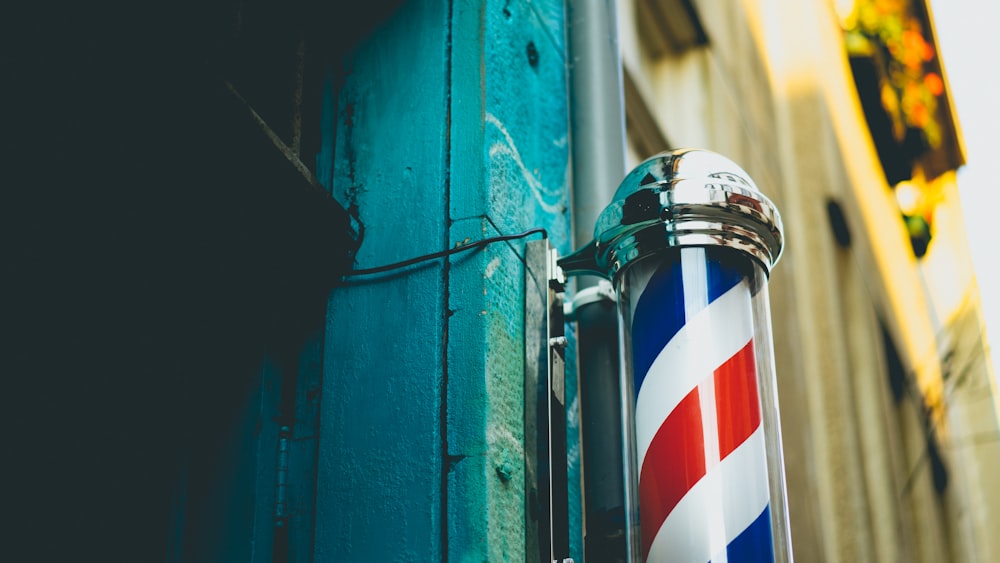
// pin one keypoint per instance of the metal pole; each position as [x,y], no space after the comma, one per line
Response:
[597,114]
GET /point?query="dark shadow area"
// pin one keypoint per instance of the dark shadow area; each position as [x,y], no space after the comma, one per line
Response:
[155,242]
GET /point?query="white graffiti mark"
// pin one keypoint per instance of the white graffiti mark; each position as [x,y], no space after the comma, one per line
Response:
[510,149]
[492,267]
[573,455]
[573,412]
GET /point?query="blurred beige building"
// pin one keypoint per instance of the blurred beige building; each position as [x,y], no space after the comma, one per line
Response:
[889,406]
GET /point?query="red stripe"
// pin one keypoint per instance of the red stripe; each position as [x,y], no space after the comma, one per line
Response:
[674,462]
[736,400]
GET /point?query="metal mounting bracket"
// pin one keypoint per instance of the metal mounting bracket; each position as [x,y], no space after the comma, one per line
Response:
[546,487]
[603,291]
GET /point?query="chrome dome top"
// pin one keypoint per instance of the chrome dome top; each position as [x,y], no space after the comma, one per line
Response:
[681,198]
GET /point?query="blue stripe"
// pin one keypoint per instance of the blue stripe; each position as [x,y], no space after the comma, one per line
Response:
[754,544]
[659,314]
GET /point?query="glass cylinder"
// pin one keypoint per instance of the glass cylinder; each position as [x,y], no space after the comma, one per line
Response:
[700,409]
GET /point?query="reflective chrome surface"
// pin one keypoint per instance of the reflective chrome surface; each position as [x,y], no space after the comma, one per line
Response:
[684,197]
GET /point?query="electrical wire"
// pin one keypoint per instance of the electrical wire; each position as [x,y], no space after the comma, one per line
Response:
[444,253]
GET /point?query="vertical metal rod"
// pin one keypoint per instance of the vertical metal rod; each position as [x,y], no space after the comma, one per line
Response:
[558,463]
[597,114]
[601,429]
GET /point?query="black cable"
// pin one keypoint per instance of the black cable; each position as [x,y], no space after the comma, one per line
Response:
[443,253]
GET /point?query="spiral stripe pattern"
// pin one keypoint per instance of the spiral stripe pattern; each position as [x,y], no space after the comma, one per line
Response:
[703,490]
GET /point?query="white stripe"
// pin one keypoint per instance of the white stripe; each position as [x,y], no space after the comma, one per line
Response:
[694,276]
[689,533]
[709,422]
[710,337]
[713,493]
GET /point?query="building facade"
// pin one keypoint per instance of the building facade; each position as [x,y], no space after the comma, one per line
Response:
[888,400]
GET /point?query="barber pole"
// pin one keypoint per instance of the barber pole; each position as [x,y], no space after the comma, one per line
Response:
[703,487]
[689,242]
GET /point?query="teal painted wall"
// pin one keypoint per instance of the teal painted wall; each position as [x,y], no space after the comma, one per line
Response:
[382,452]
[450,126]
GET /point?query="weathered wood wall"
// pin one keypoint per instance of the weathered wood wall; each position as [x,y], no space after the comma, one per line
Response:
[451,126]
